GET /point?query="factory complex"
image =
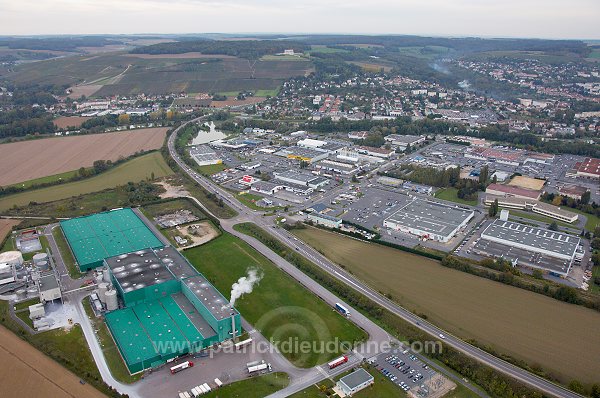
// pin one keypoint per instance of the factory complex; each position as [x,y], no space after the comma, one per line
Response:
[157,306]
[98,236]
[429,220]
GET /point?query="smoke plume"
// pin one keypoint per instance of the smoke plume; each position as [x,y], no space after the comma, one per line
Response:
[245,284]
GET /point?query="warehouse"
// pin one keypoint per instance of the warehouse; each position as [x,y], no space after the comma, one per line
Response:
[429,220]
[98,236]
[204,155]
[169,308]
[303,154]
[588,168]
[536,247]
[512,191]
[301,179]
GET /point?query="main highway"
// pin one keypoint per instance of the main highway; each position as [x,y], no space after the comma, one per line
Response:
[375,332]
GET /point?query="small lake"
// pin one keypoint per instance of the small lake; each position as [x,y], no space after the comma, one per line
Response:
[205,137]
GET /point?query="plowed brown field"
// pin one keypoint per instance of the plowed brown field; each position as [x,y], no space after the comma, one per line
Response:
[27,160]
[26,372]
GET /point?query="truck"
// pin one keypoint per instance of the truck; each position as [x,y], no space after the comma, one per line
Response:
[338,361]
[218,382]
[257,368]
[342,310]
[181,366]
[242,344]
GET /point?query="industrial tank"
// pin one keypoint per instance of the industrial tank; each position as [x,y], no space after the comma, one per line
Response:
[37,258]
[43,265]
[111,300]
[102,288]
[98,278]
[13,257]
[106,274]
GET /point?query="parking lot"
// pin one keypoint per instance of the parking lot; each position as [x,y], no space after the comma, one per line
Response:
[405,370]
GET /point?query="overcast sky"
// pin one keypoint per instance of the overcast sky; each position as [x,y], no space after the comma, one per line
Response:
[498,18]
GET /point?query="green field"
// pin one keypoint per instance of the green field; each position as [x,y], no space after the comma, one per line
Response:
[427,52]
[592,220]
[211,169]
[133,170]
[595,54]
[382,387]
[450,194]
[48,179]
[326,50]
[254,387]
[291,58]
[525,325]
[279,307]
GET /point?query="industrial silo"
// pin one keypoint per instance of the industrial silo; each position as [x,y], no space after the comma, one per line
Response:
[39,257]
[106,274]
[111,300]
[43,265]
[14,258]
[98,278]
[102,289]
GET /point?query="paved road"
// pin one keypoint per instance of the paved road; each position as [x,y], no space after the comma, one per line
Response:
[470,350]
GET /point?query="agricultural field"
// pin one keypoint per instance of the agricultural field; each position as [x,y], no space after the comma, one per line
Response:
[64,122]
[123,74]
[32,159]
[134,170]
[33,374]
[6,226]
[278,306]
[525,325]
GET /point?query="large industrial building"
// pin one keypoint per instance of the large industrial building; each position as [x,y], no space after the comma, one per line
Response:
[429,220]
[158,305]
[535,247]
[98,236]
[170,309]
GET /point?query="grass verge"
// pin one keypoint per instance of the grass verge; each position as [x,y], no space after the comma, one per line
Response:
[278,306]
[66,254]
[254,387]
[451,194]
[109,348]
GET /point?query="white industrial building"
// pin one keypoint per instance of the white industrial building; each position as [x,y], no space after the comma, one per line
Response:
[301,179]
[534,206]
[310,143]
[354,382]
[557,250]
[325,220]
[429,220]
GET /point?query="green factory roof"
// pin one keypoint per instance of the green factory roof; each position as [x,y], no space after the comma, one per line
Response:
[98,236]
